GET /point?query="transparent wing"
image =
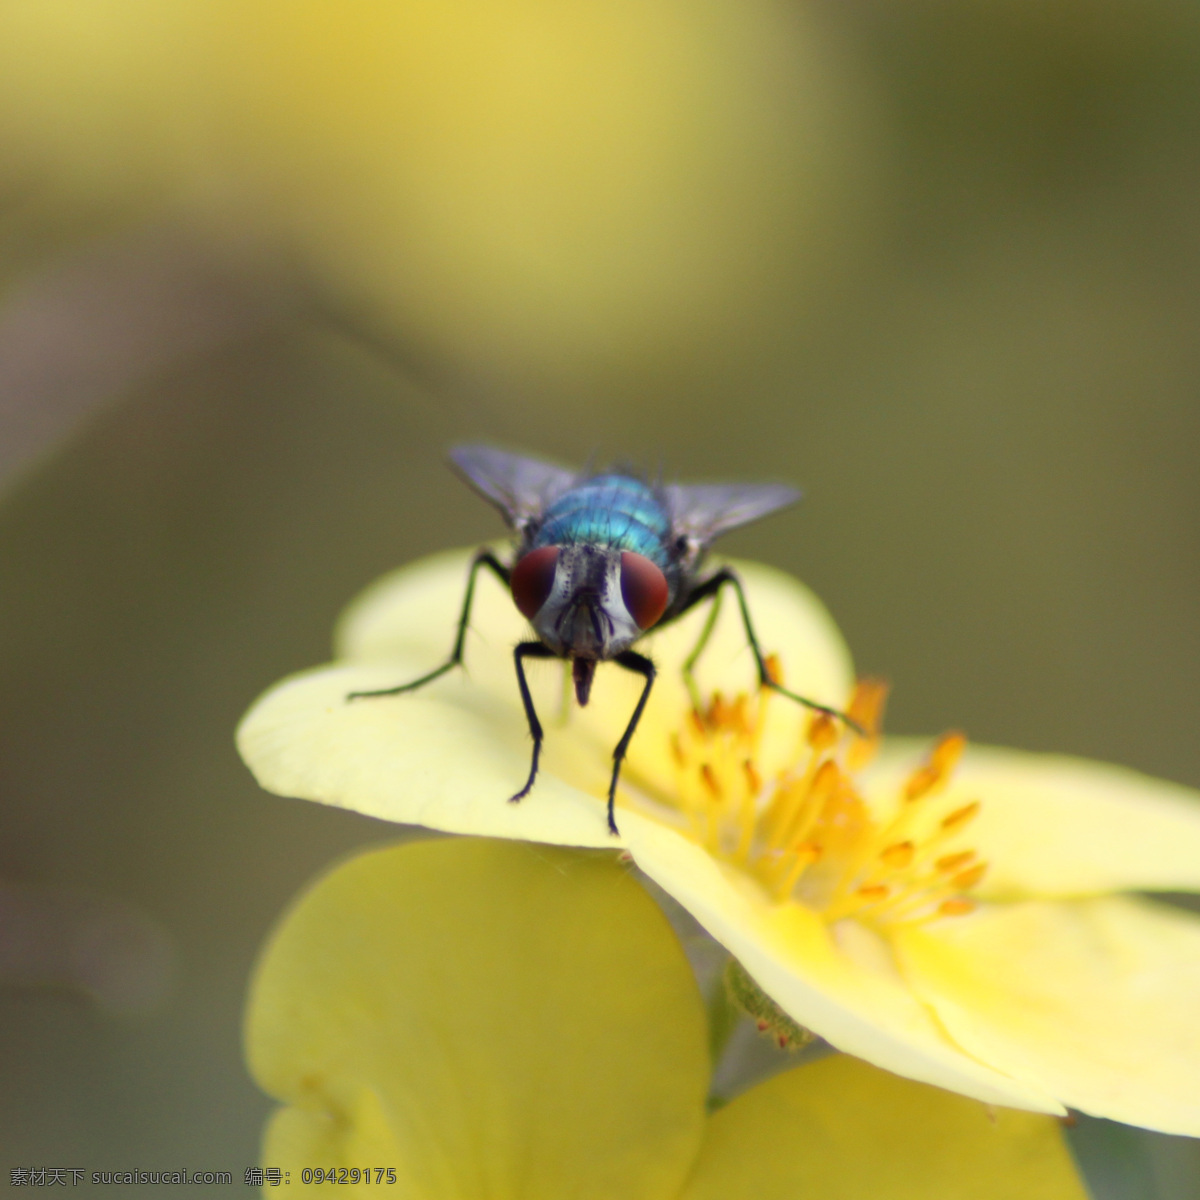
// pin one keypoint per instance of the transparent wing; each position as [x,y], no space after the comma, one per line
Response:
[518,486]
[706,511]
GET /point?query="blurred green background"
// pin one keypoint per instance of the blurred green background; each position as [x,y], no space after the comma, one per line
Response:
[261,263]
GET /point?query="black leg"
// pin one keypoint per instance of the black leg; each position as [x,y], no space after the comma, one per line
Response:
[523,651]
[483,558]
[631,661]
[711,587]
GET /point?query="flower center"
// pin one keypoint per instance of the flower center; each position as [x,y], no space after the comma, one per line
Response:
[807,834]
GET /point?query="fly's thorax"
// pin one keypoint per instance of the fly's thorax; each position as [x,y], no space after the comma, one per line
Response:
[611,510]
[588,601]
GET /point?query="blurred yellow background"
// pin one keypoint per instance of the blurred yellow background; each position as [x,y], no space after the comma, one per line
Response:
[261,262]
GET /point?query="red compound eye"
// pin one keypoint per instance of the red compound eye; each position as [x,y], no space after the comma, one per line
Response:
[643,588]
[533,579]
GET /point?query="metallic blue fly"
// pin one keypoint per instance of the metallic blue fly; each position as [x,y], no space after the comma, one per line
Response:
[601,559]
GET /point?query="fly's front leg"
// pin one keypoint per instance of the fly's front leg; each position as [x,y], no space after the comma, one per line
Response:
[712,587]
[631,661]
[523,651]
[483,558]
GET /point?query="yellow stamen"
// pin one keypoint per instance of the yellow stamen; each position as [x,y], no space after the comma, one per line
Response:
[961,816]
[966,880]
[809,804]
[804,855]
[899,855]
[753,778]
[867,704]
[677,750]
[822,732]
[937,770]
[949,863]
[807,834]
[866,708]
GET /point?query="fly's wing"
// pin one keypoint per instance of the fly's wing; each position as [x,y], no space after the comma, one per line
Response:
[706,511]
[519,487]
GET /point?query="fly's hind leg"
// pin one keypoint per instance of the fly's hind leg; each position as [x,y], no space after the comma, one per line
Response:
[711,587]
[483,558]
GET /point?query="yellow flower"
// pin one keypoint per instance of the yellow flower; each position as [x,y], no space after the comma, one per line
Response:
[958,919]
[482,1018]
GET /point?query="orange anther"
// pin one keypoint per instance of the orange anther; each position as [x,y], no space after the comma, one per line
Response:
[753,778]
[947,752]
[677,749]
[966,880]
[959,906]
[774,670]
[822,732]
[949,863]
[898,855]
[920,783]
[867,702]
[824,782]
[942,760]
[697,719]
[872,891]
[709,776]
[808,851]
[961,816]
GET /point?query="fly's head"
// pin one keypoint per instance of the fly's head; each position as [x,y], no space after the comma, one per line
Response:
[589,603]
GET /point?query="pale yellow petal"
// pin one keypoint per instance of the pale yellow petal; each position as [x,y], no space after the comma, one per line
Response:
[842,984]
[840,1129]
[415,610]
[1096,1001]
[448,757]
[491,1019]
[1056,826]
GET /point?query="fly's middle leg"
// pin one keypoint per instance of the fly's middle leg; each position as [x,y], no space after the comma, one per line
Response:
[711,588]
[483,558]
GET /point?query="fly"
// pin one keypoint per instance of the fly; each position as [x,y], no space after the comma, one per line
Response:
[600,560]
